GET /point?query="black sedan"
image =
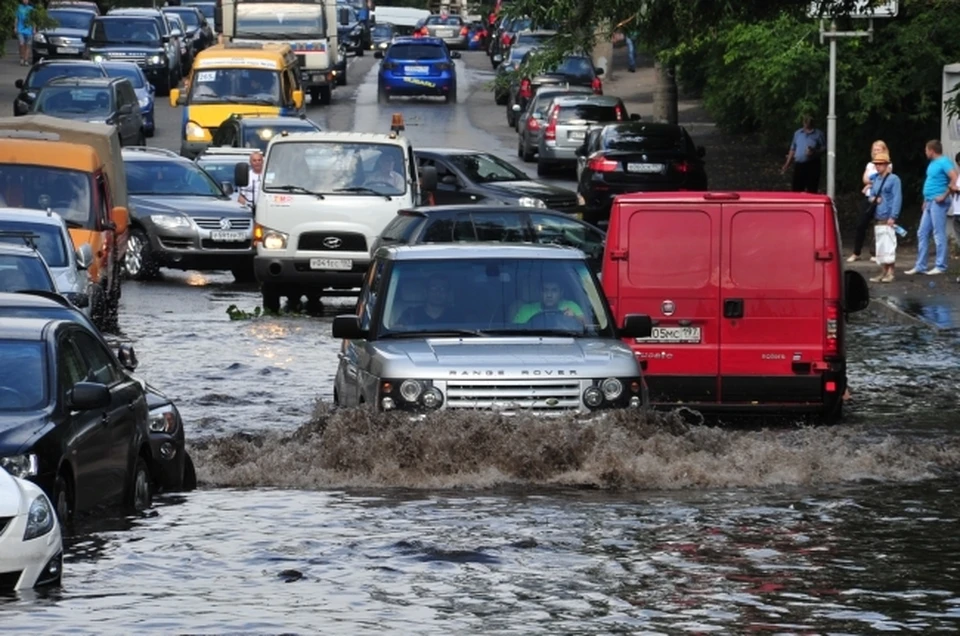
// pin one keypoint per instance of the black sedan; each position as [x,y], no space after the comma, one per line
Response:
[42,72]
[471,176]
[71,420]
[636,157]
[483,223]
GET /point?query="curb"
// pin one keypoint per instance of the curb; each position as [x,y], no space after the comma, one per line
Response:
[888,309]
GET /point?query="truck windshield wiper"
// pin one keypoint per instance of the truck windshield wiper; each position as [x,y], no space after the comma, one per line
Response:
[295,188]
[364,190]
[440,333]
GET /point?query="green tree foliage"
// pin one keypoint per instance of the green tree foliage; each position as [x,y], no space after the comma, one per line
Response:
[8,20]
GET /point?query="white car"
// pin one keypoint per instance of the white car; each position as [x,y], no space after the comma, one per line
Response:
[47,231]
[31,546]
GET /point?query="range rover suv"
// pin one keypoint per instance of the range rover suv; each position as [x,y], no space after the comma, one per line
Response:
[491,327]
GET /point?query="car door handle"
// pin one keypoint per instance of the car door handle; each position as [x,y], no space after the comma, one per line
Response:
[104,419]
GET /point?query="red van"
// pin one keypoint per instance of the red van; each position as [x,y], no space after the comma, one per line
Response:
[748,295]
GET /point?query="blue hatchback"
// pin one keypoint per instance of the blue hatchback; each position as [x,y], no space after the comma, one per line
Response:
[415,67]
[144,89]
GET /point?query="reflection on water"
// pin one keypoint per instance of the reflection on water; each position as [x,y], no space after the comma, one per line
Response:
[940,315]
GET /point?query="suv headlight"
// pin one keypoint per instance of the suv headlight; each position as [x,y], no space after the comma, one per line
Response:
[171,221]
[193,129]
[164,419]
[157,59]
[21,466]
[40,519]
[40,38]
[530,202]
[410,394]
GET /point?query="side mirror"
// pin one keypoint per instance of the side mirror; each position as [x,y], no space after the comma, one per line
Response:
[174,97]
[856,295]
[428,179]
[636,326]
[515,108]
[701,151]
[227,187]
[241,175]
[634,117]
[81,300]
[151,88]
[126,109]
[598,71]
[455,55]
[449,179]
[127,357]
[86,396]
[378,54]
[297,98]
[121,219]
[348,328]
[84,256]
[19,84]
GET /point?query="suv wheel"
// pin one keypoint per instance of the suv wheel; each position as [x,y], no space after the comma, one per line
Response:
[243,273]
[271,298]
[141,488]
[139,262]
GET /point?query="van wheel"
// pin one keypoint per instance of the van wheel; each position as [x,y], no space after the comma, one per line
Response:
[833,414]
[141,487]
[138,261]
[270,297]
[525,154]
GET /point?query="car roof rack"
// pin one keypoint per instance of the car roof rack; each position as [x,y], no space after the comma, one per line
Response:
[152,150]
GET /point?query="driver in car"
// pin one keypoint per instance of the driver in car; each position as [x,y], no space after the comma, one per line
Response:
[385,172]
[434,310]
[551,301]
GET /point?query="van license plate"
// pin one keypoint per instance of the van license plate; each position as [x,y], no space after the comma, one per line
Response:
[677,335]
[229,236]
[416,70]
[341,264]
[645,168]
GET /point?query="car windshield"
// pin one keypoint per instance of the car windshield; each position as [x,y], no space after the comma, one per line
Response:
[189,17]
[235,86]
[417,52]
[382,31]
[268,25]
[70,100]
[66,192]
[22,273]
[359,169]
[588,113]
[481,167]
[450,20]
[66,19]
[173,178]
[48,239]
[46,72]
[126,31]
[260,137]
[208,9]
[129,71]
[494,296]
[23,376]
[643,141]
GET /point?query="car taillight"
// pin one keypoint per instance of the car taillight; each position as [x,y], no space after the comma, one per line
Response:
[533,125]
[505,39]
[464,31]
[389,66]
[597,86]
[682,167]
[444,66]
[550,133]
[831,335]
[526,89]
[619,112]
[602,164]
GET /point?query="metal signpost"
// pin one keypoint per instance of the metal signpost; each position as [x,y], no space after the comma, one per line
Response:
[863,9]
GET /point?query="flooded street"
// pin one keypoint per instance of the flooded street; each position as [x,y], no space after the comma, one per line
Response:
[314,521]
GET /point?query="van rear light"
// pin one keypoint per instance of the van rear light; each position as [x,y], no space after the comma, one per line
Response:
[597,86]
[602,164]
[533,125]
[831,336]
[682,167]
[550,133]
[526,89]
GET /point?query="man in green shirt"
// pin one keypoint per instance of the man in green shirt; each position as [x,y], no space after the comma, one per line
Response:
[551,301]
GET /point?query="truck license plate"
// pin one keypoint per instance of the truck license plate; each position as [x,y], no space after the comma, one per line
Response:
[645,168]
[228,236]
[416,70]
[675,335]
[341,264]
[68,50]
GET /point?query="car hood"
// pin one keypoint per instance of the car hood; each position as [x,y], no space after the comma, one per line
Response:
[141,205]
[18,431]
[10,495]
[506,358]
[65,33]
[537,189]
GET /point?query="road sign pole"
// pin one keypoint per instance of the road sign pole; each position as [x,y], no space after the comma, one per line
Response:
[832,118]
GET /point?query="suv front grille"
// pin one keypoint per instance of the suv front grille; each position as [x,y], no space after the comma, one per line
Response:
[214,224]
[521,395]
[349,241]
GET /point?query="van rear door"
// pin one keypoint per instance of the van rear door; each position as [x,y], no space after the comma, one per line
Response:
[668,270]
[772,278]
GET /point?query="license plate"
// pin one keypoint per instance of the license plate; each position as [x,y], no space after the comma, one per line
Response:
[678,335]
[645,168]
[68,50]
[318,77]
[577,135]
[416,70]
[444,33]
[228,236]
[331,263]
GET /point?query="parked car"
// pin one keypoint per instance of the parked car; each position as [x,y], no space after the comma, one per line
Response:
[449,28]
[181,218]
[472,176]
[178,31]
[97,100]
[22,268]
[492,223]
[73,422]
[65,39]
[417,66]
[746,322]
[172,468]
[144,90]
[565,127]
[31,544]
[505,71]
[574,70]
[136,38]
[521,43]
[256,131]
[46,70]
[635,157]
[48,234]
[505,34]
[531,122]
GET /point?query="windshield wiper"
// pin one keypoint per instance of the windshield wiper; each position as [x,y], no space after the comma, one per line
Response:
[295,188]
[441,333]
[365,190]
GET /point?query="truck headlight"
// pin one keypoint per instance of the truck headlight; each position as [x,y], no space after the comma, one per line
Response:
[40,519]
[195,130]
[21,466]
[164,420]
[171,221]
[530,202]
[612,389]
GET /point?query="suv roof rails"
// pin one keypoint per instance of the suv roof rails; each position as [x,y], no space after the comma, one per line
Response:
[152,150]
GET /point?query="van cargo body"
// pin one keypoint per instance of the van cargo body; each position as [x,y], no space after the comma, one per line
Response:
[746,293]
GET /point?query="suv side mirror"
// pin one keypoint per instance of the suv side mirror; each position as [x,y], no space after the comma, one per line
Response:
[241,175]
[127,357]
[121,219]
[84,256]
[348,328]
[455,55]
[227,187]
[856,296]
[636,326]
[87,396]
[378,54]
[428,178]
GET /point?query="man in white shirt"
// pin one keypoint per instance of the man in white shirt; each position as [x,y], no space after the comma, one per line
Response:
[249,194]
[385,173]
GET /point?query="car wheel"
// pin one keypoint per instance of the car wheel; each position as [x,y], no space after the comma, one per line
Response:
[151,131]
[189,473]
[139,262]
[500,99]
[243,273]
[520,148]
[270,297]
[141,488]
[525,154]
[63,500]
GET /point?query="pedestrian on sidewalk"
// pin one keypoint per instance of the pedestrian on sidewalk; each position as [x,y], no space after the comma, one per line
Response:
[866,207]
[24,31]
[953,216]
[806,148]
[940,182]
[630,36]
[886,199]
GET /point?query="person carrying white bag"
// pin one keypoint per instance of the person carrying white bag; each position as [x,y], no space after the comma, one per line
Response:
[887,198]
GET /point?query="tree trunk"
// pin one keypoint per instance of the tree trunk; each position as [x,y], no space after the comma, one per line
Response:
[665,106]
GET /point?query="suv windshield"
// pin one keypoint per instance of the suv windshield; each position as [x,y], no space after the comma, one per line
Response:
[71,100]
[125,31]
[66,192]
[494,296]
[46,72]
[173,178]
[22,273]
[270,25]
[485,168]
[48,239]
[361,169]
[416,52]
[67,19]
[235,86]
[23,375]
[129,71]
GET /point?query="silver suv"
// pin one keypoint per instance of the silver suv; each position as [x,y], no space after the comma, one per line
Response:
[566,123]
[491,327]
[531,122]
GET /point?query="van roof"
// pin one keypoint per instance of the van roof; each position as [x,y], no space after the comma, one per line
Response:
[37,152]
[267,55]
[720,197]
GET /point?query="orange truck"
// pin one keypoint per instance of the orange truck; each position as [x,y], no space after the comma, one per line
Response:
[76,170]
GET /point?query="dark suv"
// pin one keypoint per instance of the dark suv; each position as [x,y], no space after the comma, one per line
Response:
[65,39]
[121,38]
[574,70]
[98,100]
